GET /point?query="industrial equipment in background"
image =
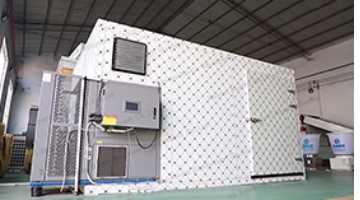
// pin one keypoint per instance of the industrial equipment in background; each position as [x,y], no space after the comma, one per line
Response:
[342,145]
[19,160]
[339,140]
[30,131]
[311,147]
[17,154]
[311,150]
[29,140]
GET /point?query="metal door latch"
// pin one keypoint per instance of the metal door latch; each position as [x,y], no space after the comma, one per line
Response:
[299,159]
[291,91]
[154,113]
[255,120]
[293,106]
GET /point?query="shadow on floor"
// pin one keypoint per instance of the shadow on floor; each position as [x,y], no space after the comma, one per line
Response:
[15,178]
[319,186]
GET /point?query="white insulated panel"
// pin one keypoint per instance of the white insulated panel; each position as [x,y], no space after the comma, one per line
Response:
[206,135]
[275,137]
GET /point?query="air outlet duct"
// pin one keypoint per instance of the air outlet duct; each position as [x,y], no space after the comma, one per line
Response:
[129,56]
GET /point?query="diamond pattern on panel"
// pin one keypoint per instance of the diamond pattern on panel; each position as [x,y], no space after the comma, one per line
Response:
[206,134]
[275,138]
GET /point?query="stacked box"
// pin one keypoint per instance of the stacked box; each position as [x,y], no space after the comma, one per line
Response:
[5,149]
[65,66]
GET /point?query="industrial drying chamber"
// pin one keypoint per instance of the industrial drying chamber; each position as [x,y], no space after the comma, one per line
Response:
[225,119]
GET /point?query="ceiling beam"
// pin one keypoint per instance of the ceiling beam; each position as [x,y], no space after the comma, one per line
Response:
[262,23]
[30,32]
[82,25]
[48,30]
[24,29]
[238,21]
[310,37]
[211,22]
[46,21]
[107,13]
[314,46]
[351,64]
[175,14]
[294,19]
[196,17]
[301,29]
[127,11]
[52,24]
[158,13]
[143,12]
[63,27]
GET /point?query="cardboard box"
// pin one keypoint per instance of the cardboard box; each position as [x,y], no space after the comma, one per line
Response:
[2,127]
[27,160]
[1,136]
[65,70]
[5,153]
[66,66]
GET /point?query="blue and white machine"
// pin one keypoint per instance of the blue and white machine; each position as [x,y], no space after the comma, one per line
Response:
[342,146]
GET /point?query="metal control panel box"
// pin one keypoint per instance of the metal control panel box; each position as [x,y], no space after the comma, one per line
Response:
[130,105]
[104,157]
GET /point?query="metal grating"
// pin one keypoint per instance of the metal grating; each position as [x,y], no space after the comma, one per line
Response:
[17,154]
[64,125]
[111,162]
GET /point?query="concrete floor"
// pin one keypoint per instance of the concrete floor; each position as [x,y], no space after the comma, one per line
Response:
[320,185]
[14,178]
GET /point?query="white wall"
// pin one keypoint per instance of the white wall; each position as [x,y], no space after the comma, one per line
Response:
[333,99]
[27,91]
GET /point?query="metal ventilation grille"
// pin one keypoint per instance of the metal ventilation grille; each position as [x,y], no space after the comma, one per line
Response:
[111,162]
[17,154]
[64,125]
[129,56]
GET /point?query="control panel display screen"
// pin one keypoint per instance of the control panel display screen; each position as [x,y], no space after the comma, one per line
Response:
[131,106]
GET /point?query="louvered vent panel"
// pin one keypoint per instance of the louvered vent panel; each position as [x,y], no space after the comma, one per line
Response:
[129,56]
[111,162]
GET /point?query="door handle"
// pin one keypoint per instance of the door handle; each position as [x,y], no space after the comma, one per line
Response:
[293,106]
[255,120]
[299,159]
[154,113]
[291,91]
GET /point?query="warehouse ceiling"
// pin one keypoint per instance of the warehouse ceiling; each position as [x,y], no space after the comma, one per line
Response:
[269,30]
